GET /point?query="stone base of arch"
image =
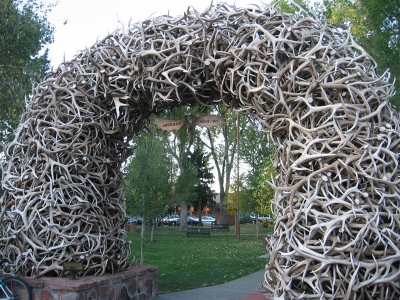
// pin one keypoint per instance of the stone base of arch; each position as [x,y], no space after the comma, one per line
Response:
[137,282]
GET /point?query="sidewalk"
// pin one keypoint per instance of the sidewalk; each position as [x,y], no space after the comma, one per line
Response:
[244,288]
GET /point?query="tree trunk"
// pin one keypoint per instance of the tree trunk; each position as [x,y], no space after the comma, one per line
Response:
[142,241]
[257,228]
[222,210]
[183,216]
[153,230]
[199,213]
[142,232]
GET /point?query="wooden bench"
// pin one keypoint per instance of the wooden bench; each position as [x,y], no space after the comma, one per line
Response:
[198,230]
[219,226]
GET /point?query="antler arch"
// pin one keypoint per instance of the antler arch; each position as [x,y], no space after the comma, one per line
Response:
[314,90]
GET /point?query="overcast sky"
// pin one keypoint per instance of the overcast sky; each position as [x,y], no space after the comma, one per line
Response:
[79,23]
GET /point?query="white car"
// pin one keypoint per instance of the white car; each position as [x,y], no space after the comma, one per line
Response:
[171,220]
[207,220]
[264,218]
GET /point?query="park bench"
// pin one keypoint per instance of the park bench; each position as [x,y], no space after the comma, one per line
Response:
[219,226]
[198,230]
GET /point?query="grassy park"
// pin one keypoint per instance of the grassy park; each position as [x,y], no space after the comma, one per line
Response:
[198,261]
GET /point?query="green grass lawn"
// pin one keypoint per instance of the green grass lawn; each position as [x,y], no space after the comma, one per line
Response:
[198,261]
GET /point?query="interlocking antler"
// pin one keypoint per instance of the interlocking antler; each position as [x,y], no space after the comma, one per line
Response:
[314,90]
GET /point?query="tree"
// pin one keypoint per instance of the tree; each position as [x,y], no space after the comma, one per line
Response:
[257,193]
[24,31]
[184,191]
[179,148]
[202,190]
[148,181]
[259,190]
[223,153]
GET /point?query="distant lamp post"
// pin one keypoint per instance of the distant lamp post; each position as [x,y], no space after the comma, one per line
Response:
[207,210]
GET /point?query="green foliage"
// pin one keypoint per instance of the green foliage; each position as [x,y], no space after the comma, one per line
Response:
[257,194]
[184,186]
[222,144]
[203,195]
[179,146]
[255,148]
[230,202]
[179,143]
[290,6]
[24,31]
[379,35]
[148,178]
[223,152]
[263,194]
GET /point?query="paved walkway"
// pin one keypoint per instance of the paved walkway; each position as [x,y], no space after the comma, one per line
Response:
[244,288]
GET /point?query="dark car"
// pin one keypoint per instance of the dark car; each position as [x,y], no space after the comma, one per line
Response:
[246,218]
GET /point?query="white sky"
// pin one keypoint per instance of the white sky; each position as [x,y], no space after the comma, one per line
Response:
[89,20]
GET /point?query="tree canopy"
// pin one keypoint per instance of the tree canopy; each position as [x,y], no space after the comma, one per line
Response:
[203,194]
[257,193]
[222,143]
[148,185]
[147,182]
[24,32]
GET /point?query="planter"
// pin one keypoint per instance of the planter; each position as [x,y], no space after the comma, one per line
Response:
[131,227]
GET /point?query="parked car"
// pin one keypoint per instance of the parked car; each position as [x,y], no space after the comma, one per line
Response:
[207,220]
[171,220]
[246,218]
[265,217]
[134,220]
[253,218]
[193,220]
